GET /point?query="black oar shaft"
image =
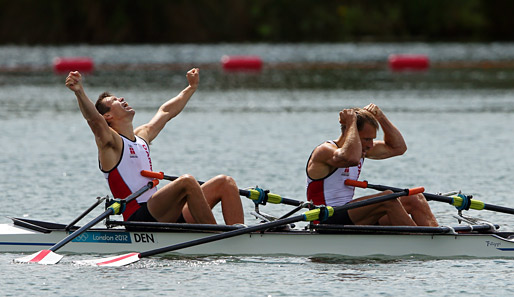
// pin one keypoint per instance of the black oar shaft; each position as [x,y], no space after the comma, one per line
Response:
[433,197]
[105,214]
[81,230]
[221,236]
[499,208]
[245,193]
[272,224]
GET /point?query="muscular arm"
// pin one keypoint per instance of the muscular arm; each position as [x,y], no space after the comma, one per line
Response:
[327,156]
[393,143]
[107,140]
[169,109]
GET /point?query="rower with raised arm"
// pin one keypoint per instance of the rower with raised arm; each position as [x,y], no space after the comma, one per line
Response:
[124,152]
[335,161]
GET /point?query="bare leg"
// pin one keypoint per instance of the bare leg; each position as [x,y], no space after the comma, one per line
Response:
[371,214]
[167,203]
[222,188]
[417,206]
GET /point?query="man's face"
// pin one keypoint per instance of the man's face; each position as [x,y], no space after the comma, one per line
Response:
[367,135]
[118,106]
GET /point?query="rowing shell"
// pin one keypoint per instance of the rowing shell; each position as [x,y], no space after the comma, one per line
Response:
[479,241]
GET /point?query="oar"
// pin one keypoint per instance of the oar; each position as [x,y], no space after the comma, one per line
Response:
[310,215]
[258,195]
[459,201]
[50,257]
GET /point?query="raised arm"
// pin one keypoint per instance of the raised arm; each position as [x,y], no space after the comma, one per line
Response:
[327,156]
[393,143]
[106,139]
[169,109]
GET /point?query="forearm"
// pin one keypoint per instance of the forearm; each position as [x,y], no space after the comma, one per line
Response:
[166,112]
[392,135]
[351,151]
[87,107]
[176,104]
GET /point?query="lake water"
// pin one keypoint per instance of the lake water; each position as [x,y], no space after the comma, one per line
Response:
[260,128]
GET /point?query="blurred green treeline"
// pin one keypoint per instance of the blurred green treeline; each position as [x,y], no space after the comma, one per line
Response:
[274,21]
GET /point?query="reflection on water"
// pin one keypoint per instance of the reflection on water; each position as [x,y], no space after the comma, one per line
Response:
[333,259]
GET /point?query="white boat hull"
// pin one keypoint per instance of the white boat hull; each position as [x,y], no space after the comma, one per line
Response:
[17,239]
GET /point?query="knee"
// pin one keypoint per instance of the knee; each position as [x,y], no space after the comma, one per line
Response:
[187,181]
[391,204]
[225,181]
[417,201]
[391,207]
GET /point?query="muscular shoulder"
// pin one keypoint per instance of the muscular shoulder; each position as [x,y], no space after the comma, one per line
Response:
[146,132]
[324,152]
[319,162]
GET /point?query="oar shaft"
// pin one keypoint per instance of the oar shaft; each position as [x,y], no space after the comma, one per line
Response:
[81,230]
[479,204]
[499,208]
[310,215]
[221,236]
[272,198]
[109,211]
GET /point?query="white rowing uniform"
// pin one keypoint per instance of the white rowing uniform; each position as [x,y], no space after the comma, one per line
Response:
[125,178]
[331,190]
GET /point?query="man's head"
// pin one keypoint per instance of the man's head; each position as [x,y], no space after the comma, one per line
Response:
[367,126]
[363,117]
[112,107]
[100,104]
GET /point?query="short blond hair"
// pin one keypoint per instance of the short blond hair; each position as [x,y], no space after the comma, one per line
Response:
[363,116]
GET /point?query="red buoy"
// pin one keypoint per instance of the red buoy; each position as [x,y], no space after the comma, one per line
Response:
[234,63]
[408,62]
[65,65]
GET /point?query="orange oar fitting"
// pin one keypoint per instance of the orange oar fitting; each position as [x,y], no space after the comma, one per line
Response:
[417,190]
[356,183]
[155,182]
[159,175]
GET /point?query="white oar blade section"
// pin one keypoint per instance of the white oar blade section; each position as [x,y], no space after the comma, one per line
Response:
[45,257]
[115,261]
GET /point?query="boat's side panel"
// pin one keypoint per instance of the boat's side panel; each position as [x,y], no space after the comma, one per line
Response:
[293,243]
[360,245]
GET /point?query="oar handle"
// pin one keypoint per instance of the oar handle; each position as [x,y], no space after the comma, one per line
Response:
[454,200]
[382,198]
[252,194]
[158,175]
[364,184]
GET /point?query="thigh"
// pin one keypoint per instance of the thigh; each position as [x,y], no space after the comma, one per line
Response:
[370,214]
[167,203]
[213,189]
[413,202]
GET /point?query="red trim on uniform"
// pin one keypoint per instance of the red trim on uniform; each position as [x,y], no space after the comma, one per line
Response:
[120,190]
[130,208]
[315,192]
